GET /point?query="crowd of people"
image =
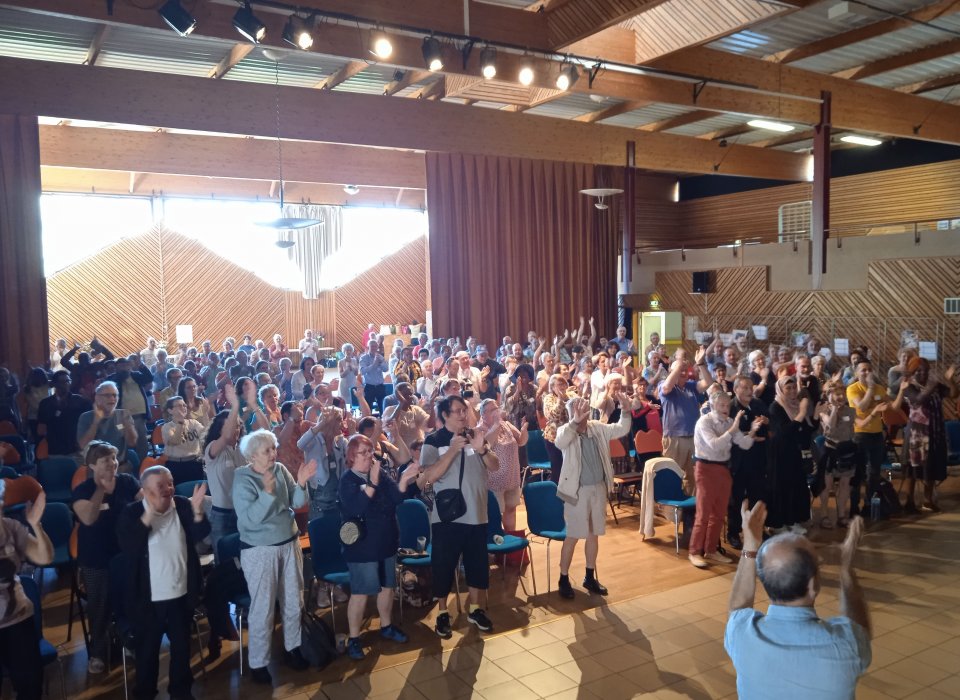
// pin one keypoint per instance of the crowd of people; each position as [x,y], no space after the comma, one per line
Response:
[275,445]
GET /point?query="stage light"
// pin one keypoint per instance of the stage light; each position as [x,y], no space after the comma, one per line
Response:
[568,76]
[296,32]
[526,71]
[180,21]
[248,25]
[431,53]
[488,62]
[381,46]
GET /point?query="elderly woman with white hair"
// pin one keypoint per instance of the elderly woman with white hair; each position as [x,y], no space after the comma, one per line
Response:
[265,495]
[606,402]
[713,437]
[764,381]
[349,368]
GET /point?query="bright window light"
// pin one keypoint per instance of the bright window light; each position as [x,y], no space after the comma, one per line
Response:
[772,126]
[861,140]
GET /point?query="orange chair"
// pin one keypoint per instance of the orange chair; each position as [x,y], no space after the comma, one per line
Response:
[156,413]
[79,476]
[152,462]
[9,454]
[649,443]
[21,490]
[43,450]
[8,428]
[157,437]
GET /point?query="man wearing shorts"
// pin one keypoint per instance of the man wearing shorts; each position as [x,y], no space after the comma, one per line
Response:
[585,480]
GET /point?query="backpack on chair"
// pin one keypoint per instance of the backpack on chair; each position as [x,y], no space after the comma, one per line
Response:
[317,642]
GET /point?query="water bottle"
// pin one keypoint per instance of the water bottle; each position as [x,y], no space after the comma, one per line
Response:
[875,507]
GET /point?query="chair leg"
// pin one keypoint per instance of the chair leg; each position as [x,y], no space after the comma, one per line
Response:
[533,571]
[676,528]
[333,609]
[549,573]
[616,521]
[203,664]
[456,580]
[63,687]
[123,657]
[400,591]
[240,634]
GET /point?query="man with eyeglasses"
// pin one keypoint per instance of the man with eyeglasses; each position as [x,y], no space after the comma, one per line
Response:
[108,423]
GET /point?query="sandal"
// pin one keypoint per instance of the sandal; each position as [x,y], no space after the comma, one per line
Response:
[826,524]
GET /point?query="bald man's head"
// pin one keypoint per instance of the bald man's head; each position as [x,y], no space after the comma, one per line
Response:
[786,564]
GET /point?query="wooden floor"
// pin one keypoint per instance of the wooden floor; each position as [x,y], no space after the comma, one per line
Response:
[638,573]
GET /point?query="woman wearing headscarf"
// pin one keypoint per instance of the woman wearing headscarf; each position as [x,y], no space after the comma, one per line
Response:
[789,429]
[926,442]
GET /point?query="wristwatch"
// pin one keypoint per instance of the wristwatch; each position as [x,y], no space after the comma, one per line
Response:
[748,554]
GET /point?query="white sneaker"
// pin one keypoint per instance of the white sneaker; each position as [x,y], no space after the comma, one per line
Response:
[340,595]
[323,598]
[717,557]
[96,666]
[698,561]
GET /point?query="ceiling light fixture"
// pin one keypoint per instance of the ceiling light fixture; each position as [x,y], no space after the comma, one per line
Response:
[600,193]
[861,140]
[180,21]
[351,189]
[771,126]
[296,32]
[248,25]
[431,53]
[568,76]
[526,74]
[488,62]
[381,46]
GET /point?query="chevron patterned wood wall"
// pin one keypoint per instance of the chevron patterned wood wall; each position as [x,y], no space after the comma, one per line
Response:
[901,294]
[147,284]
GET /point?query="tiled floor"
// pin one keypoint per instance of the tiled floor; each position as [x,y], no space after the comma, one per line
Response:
[665,644]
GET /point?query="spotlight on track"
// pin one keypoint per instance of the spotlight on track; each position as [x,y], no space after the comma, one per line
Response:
[296,32]
[179,20]
[431,54]
[248,25]
[526,74]
[380,46]
[568,76]
[488,62]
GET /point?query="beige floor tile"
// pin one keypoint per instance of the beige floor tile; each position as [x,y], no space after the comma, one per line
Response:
[558,653]
[622,658]
[900,643]
[499,647]
[379,682]
[522,664]
[613,687]
[883,657]
[894,685]
[717,682]
[548,682]
[511,690]
[448,685]
[406,693]
[486,675]
[532,638]
[573,694]
[422,669]
[938,658]
[343,690]
[929,694]
[584,670]
[949,686]
[918,671]
[648,677]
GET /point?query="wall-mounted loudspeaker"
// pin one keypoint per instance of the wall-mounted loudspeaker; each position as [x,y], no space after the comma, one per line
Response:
[703,282]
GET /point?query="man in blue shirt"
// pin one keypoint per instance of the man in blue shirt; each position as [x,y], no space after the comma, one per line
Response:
[790,652]
[372,368]
[679,397]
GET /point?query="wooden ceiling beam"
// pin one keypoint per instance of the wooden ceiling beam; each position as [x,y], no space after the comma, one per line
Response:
[222,156]
[870,31]
[901,60]
[436,90]
[679,120]
[943,81]
[611,111]
[182,102]
[855,105]
[96,45]
[410,77]
[784,139]
[728,133]
[343,75]
[578,19]
[237,53]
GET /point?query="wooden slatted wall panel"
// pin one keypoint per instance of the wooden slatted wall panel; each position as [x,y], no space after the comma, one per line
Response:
[114,295]
[391,292]
[900,294]
[657,215]
[917,193]
[123,293]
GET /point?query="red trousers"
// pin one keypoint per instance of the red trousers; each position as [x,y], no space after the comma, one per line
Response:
[713,492]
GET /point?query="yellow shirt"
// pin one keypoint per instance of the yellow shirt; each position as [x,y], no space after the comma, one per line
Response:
[855,393]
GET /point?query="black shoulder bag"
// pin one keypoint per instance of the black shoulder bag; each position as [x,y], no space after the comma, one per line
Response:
[450,503]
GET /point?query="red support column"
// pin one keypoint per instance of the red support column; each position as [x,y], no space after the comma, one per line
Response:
[820,210]
[629,218]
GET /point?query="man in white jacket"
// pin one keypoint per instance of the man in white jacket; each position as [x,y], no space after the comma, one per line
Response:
[585,480]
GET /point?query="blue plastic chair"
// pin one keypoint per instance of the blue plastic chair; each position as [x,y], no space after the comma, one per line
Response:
[134,459]
[228,550]
[48,652]
[953,442]
[55,475]
[327,556]
[58,523]
[186,488]
[668,491]
[414,521]
[510,544]
[545,515]
[537,457]
[20,445]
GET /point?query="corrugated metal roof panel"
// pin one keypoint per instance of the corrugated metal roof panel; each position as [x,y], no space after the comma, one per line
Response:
[650,113]
[892,44]
[721,121]
[796,146]
[917,73]
[161,51]
[299,69]
[369,81]
[951,94]
[571,106]
[44,37]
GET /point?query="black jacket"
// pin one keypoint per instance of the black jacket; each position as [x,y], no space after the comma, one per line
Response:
[142,377]
[132,535]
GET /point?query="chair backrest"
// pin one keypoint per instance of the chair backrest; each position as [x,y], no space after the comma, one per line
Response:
[186,488]
[536,449]
[32,591]
[616,450]
[156,413]
[894,418]
[228,547]
[953,435]
[152,462]
[13,449]
[42,450]
[79,476]
[667,486]
[157,437]
[544,508]
[494,517]
[8,472]
[7,428]
[414,521]
[325,547]
[134,459]
[648,442]
[57,521]
[21,490]
[654,424]
[55,473]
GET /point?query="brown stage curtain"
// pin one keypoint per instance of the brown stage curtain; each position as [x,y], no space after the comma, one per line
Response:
[515,247]
[23,307]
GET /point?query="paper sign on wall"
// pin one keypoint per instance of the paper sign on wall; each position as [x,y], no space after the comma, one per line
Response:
[800,339]
[691,325]
[184,335]
[726,338]
[841,347]
[760,332]
[703,337]
[928,350]
[737,335]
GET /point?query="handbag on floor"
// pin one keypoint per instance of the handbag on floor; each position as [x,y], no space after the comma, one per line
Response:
[317,642]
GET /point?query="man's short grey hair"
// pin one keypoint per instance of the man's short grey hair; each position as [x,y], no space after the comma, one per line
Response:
[156,470]
[717,396]
[256,441]
[107,384]
[743,380]
[347,347]
[788,578]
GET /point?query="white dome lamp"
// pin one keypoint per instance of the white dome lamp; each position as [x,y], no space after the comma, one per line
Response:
[600,193]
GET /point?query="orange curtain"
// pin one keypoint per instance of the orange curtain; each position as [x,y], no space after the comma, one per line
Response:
[515,247]
[23,306]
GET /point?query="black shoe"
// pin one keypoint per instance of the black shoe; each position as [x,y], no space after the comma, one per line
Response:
[480,619]
[295,660]
[442,626]
[565,589]
[261,675]
[735,541]
[594,586]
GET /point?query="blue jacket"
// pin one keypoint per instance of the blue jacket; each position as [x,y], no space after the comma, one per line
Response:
[379,513]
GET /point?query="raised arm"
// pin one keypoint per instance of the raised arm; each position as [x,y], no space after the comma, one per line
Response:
[852,602]
[744,590]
